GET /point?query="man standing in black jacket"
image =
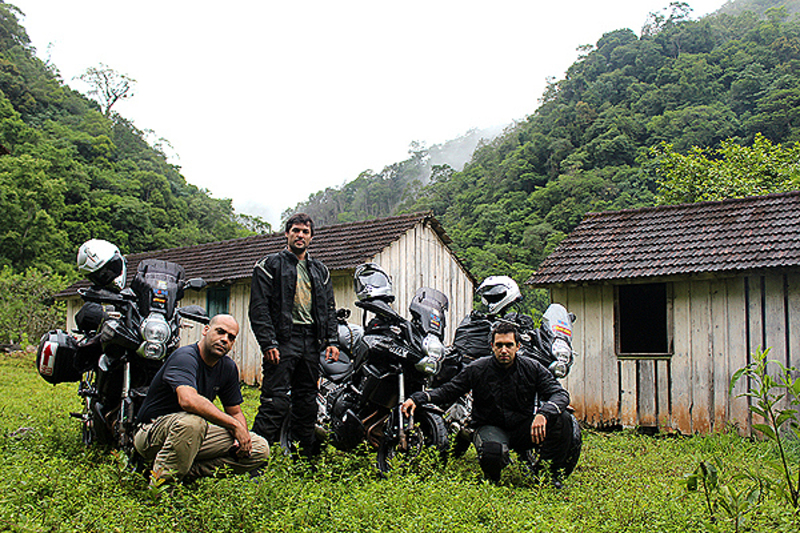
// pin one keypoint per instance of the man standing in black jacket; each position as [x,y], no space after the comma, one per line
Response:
[516,404]
[293,316]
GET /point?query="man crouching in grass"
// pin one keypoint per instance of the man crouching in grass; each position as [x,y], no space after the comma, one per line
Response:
[180,430]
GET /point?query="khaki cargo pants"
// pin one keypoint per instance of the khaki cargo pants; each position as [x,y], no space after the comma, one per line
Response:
[185,445]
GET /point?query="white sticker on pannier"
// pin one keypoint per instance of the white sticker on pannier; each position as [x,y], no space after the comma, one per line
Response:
[48,362]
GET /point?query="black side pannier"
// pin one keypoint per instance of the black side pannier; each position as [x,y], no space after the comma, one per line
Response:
[473,336]
[55,358]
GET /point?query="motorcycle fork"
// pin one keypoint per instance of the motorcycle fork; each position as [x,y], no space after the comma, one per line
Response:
[126,408]
[87,392]
[404,429]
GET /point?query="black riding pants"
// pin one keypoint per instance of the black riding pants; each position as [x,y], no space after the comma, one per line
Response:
[493,443]
[296,372]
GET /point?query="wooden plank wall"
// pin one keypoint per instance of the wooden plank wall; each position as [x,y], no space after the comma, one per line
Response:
[717,324]
[420,259]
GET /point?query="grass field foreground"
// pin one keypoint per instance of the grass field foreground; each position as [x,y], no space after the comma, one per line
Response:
[623,482]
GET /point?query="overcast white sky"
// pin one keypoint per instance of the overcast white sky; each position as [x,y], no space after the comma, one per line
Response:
[268,102]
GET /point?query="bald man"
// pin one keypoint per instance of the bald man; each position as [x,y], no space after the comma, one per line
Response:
[180,430]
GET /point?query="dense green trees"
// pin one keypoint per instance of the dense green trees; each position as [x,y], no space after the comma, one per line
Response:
[730,171]
[70,171]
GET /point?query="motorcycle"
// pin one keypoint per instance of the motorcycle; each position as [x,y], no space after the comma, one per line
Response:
[361,394]
[124,335]
[550,344]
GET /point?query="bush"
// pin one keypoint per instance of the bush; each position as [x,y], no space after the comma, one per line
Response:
[27,308]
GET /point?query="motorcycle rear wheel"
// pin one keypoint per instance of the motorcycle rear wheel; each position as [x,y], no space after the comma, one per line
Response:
[571,457]
[285,438]
[429,431]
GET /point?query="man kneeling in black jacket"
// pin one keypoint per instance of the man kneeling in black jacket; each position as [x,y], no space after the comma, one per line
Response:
[505,411]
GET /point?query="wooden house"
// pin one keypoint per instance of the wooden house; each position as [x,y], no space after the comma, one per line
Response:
[413,249]
[671,301]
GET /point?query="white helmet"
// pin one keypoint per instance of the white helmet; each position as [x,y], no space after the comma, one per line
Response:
[371,282]
[498,293]
[103,264]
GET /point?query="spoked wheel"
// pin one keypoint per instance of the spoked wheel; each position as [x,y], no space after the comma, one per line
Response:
[429,430]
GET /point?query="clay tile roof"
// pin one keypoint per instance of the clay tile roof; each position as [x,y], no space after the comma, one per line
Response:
[757,232]
[339,246]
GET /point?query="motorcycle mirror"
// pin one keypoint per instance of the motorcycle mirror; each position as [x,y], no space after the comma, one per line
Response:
[194,312]
[195,284]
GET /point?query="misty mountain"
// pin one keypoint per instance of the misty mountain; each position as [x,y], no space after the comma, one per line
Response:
[376,194]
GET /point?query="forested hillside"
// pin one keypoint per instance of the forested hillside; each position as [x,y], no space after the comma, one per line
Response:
[69,172]
[587,147]
[375,194]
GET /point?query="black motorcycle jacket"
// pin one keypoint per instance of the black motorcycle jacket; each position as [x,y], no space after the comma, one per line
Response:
[272,298]
[503,397]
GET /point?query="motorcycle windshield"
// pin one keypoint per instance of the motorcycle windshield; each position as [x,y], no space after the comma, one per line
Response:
[428,310]
[158,285]
[556,321]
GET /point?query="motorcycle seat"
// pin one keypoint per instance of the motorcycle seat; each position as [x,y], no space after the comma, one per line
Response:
[336,370]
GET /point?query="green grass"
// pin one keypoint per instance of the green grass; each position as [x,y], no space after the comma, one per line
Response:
[623,482]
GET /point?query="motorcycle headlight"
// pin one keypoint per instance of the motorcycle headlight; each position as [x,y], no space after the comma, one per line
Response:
[558,369]
[155,332]
[155,329]
[563,354]
[427,365]
[434,352]
[433,347]
[151,350]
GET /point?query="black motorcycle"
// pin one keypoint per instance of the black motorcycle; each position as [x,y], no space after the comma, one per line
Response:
[125,336]
[381,363]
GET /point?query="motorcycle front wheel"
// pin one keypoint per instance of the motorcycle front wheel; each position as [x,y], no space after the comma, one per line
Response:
[429,431]
[286,441]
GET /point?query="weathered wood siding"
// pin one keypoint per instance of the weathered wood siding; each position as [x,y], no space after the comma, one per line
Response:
[420,259]
[716,325]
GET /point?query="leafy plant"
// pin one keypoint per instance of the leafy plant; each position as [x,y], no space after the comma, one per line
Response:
[723,495]
[774,395]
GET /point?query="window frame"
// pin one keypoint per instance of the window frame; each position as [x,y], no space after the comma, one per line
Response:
[670,330]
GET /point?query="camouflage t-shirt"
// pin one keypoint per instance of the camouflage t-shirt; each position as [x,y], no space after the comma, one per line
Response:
[301,312]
